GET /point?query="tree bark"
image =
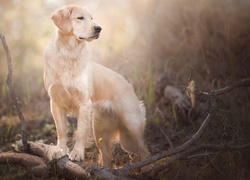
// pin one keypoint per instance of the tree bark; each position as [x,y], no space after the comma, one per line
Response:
[33,164]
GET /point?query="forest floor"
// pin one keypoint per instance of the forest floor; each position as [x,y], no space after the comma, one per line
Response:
[168,126]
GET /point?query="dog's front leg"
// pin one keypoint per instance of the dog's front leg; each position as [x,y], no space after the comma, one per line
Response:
[84,130]
[59,115]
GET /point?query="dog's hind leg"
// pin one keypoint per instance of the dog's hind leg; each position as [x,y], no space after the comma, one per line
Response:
[132,144]
[132,131]
[104,131]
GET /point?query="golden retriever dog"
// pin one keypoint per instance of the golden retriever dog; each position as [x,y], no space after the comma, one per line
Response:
[103,102]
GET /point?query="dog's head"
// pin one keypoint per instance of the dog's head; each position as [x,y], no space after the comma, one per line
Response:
[76,20]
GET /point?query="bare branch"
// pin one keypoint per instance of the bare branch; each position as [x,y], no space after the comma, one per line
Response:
[244,82]
[33,164]
[203,147]
[217,92]
[14,98]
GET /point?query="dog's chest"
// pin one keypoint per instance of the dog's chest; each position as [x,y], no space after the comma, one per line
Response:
[69,98]
[72,87]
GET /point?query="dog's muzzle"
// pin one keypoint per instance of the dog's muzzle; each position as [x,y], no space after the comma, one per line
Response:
[96,34]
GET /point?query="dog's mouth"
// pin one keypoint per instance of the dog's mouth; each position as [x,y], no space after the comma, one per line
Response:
[90,38]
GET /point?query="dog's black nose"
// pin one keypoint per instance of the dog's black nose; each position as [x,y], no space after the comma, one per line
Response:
[97,28]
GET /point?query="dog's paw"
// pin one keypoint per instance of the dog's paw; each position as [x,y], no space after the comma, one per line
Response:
[56,152]
[76,155]
[59,152]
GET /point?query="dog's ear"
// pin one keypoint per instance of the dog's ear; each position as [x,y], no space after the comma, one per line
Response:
[61,18]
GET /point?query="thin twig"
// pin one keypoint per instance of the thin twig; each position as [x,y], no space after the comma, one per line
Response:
[244,82]
[166,137]
[203,147]
[217,92]
[218,170]
[162,131]
[15,100]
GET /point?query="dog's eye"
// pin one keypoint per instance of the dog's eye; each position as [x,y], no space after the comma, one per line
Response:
[80,18]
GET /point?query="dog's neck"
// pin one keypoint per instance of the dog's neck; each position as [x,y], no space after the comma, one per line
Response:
[70,47]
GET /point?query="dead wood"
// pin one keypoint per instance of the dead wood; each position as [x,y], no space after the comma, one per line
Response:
[14,98]
[33,164]
[69,169]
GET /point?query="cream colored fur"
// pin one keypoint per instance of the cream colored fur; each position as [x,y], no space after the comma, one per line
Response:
[104,103]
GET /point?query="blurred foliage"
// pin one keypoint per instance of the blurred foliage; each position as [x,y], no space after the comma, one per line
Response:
[140,39]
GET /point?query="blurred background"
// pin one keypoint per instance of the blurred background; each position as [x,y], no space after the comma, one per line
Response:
[153,44]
